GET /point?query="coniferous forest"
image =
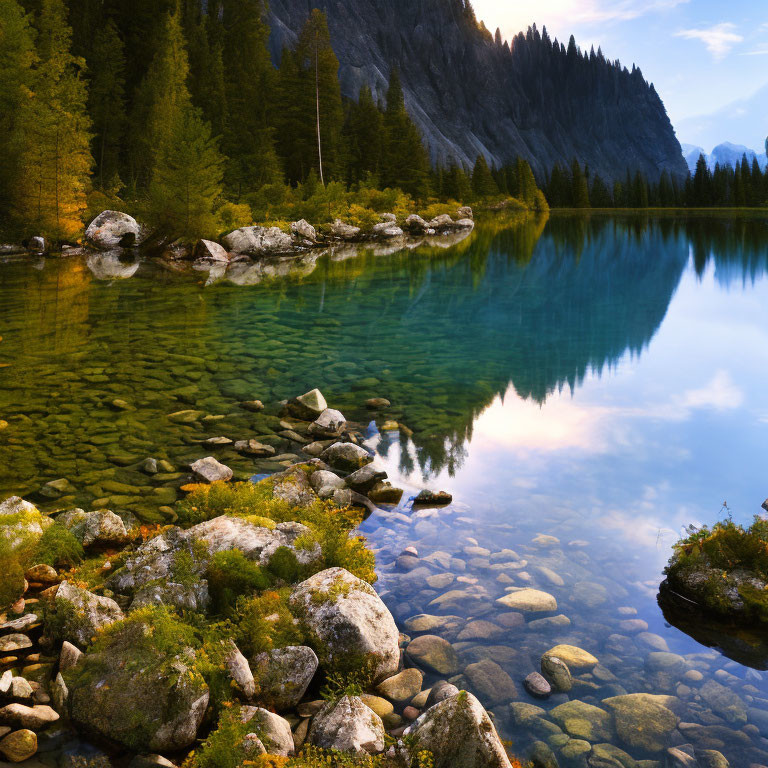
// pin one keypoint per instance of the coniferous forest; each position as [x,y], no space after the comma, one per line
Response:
[175,111]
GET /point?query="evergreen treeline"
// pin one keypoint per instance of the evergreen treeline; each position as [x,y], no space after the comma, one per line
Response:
[173,108]
[746,185]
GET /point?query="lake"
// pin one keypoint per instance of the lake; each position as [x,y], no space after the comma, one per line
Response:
[585,387]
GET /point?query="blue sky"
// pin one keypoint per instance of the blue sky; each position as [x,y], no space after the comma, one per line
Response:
[702,55]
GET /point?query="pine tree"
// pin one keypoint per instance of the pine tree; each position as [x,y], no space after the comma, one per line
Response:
[483,183]
[106,103]
[16,43]
[702,181]
[250,83]
[405,162]
[162,98]
[186,168]
[187,179]
[579,186]
[295,140]
[55,160]
[363,134]
[527,189]
[457,185]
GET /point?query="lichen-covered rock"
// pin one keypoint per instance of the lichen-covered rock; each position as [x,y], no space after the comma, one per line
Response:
[128,695]
[283,676]
[190,596]
[272,730]
[326,483]
[78,614]
[442,223]
[294,486]
[459,734]
[387,230]
[414,223]
[21,522]
[347,457]
[113,229]
[347,622]
[348,725]
[257,241]
[155,559]
[101,528]
[642,720]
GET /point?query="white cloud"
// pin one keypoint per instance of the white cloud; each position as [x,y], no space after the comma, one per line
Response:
[720,394]
[718,39]
[512,17]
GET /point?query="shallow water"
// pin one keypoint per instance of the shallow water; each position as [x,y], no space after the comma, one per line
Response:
[600,381]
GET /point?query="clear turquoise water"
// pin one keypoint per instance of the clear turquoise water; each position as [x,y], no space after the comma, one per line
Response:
[601,380]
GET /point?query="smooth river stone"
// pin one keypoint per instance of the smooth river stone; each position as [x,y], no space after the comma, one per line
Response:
[434,654]
[530,600]
[574,657]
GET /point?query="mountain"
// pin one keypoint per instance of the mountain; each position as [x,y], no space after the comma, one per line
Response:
[745,120]
[471,93]
[726,154]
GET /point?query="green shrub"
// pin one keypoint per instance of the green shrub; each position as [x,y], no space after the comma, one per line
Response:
[59,547]
[230,576]
[284,566]
[11,575]
[266,622]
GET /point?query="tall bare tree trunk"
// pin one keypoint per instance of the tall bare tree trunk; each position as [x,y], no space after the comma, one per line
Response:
[317,104]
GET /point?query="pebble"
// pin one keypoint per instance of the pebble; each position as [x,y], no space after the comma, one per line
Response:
[537,686]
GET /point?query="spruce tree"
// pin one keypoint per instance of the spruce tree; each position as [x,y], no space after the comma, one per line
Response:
[16,43]
[250,85]
[527,188]
[457,185]
[579,186]
[186,179]
[55,161]
[364,137]
[405,162]
[162,98]
[106,103]
[483,183]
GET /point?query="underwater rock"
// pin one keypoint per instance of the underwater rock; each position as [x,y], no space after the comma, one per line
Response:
[434,654]
[529,600]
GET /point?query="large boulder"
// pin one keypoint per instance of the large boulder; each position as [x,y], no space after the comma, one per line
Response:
[132,694]
[386,230]
[113,229]
[78,614]
[101,528]
[294,485]
[155,559]
[348,725]
[258,241]
[459,734]
[442,223]
[283,675]
[343,231]
[347,622]
[414,223]
[330,423]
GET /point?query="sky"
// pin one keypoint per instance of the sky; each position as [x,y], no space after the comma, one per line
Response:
[707,58]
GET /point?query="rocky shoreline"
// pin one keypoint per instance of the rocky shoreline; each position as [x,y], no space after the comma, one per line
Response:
[116,233]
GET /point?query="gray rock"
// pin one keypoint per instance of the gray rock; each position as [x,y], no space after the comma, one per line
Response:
[38,244]
[676,758]
[465,212]
[149,466]
[711,758]
[347,457]
[303,231]
[21,716]
[258,241]
[429,498]
[348,725]
[209,470]
[28,524]
[79,614]
[112,265]
[643,721]
[294,486]
[343,231]
[402,687]
[442,223]
[69,656]
[537,686]
[113,229]
[308,406]
[190,596]
[366,478]
[283,676]
[346,620]
[239,670]
[210,252]
[273,731]
[329,423]
[150,761]
[19,625]
[440,691]
[14,643]
[254,448]
[459,734]
[386,230]
[724,702]
[414,223]
[326,483]
[101,528]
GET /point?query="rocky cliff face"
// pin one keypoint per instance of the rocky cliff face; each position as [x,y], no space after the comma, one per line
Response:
[472,94]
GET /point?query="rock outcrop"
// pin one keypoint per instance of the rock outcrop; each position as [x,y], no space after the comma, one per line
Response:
[258,241]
